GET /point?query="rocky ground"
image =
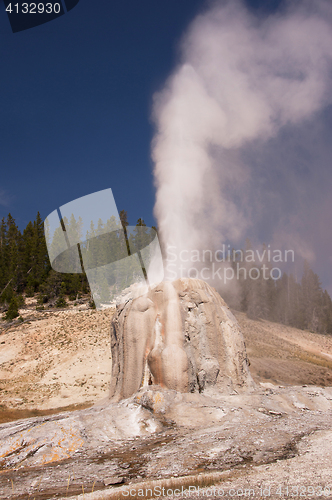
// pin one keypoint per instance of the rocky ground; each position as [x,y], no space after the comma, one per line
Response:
[276,440]
[271,437]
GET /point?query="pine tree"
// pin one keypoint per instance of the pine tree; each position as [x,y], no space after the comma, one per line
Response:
[13,309]
[312,299]
[61,302]
[327,313]
[11,266]
[3,255]
[125,224]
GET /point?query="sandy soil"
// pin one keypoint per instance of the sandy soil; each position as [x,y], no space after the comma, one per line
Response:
[55,358]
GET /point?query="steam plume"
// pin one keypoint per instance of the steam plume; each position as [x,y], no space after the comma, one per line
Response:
[241,81]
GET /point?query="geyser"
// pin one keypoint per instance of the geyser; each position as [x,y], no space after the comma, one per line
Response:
[180,336]
[240,81]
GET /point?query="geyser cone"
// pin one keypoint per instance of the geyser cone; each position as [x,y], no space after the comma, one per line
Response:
[181,336]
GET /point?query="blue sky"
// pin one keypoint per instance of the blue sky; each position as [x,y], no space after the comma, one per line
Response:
[75,103]
[76,98]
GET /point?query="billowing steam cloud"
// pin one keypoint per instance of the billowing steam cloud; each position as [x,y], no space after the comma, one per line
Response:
[242,83]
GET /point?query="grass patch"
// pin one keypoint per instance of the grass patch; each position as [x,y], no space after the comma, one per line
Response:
[314,359]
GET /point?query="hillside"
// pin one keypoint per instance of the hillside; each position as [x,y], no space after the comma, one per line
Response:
[59,359]
[284,355]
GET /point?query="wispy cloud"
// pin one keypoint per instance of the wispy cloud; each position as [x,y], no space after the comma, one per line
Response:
[4,198]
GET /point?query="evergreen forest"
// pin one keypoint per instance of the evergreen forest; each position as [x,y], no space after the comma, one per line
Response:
[25,271]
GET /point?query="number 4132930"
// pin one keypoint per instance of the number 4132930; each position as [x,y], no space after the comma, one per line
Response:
[34,8]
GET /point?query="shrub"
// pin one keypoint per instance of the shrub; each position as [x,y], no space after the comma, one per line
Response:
[20,301]
[61,302]
[12,309]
